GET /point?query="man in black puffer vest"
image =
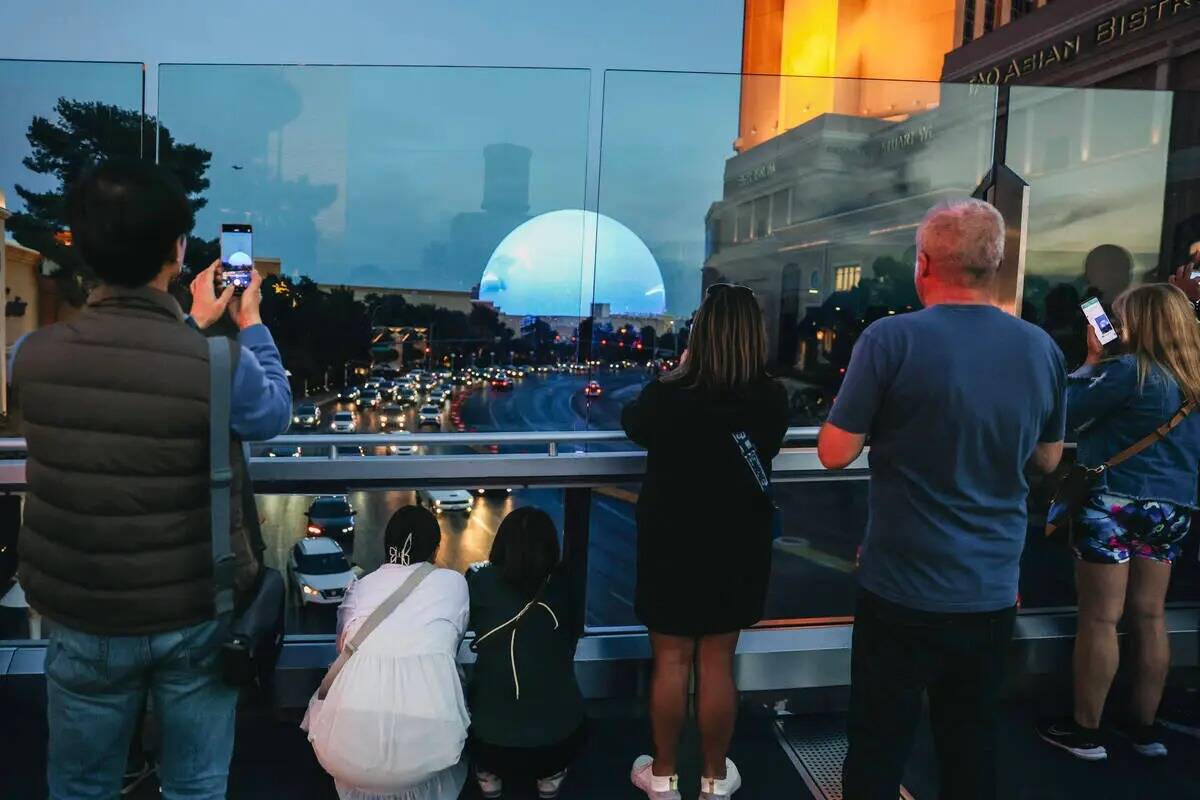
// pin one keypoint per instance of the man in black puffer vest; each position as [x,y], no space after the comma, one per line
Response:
[116,546]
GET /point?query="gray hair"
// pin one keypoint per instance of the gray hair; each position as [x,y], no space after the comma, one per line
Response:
[964,239]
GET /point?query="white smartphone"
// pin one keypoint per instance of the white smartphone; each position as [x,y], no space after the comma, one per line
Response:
[1099,320]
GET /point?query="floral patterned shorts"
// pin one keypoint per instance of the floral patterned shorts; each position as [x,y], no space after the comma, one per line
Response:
[1110,529]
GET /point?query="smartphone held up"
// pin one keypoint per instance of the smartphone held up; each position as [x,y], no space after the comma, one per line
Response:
[1098,319]
[237,256]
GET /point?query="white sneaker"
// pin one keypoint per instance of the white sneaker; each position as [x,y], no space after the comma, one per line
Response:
[714,789]
[548,787]
[656,787]
[489,785]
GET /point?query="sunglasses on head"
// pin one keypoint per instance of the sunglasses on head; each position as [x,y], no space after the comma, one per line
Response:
[718,288]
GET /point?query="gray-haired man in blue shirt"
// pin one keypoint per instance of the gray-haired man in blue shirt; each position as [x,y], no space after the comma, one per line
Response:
[957,399]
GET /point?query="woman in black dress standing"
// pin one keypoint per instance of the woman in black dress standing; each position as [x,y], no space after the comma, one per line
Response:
[711,428]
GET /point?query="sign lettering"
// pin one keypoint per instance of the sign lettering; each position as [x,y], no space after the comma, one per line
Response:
[759,173]
[1111,29]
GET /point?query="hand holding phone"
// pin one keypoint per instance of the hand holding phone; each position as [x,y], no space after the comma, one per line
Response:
[1098,320]
[237,256]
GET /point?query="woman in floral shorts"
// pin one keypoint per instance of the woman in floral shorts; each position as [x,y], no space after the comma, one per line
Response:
[1111,529]
[1129,532]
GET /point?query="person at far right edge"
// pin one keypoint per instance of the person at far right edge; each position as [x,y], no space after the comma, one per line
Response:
[958,399]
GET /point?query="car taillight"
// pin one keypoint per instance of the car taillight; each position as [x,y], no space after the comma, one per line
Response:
[315,530]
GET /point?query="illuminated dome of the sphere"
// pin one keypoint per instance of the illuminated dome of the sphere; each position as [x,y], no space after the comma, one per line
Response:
[545,267]
[240,259]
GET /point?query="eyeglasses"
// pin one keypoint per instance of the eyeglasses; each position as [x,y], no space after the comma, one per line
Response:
[718,288]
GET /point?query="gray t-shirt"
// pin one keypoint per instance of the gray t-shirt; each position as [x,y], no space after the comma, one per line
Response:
[955,399]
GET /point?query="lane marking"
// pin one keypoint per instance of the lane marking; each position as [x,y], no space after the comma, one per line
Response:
[617,493]
[801,548]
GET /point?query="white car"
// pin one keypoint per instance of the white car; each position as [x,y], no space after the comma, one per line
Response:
[320,571]
[344,422]
[401,449]
[445,501]
[429,415]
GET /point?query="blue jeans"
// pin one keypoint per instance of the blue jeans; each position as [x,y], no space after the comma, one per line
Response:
[96,688]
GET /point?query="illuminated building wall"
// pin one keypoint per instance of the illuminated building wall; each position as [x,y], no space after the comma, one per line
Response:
[853,39]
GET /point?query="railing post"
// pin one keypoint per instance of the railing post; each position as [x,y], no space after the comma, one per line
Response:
[577,512]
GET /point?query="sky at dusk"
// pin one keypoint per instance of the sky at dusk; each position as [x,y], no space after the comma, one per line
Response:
[375,175]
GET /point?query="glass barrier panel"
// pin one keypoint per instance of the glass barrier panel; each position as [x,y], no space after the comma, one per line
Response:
[1096,161]
[56,118]
[807,190]
[356,522]
[421,230]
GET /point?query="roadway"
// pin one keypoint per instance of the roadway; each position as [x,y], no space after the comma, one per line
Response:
[823,520]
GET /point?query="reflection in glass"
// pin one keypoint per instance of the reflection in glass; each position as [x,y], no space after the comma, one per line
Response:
[815,213]
[400,214]
[1096,162]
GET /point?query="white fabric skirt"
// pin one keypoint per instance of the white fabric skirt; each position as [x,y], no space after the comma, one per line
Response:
[392,725]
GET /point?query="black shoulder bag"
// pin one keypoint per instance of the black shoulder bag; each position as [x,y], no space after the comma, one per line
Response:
[1079,480]
[248,654]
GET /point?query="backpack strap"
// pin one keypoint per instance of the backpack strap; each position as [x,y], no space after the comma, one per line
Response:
[220,473]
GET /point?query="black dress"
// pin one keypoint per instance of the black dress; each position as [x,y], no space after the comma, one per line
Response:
[704,523]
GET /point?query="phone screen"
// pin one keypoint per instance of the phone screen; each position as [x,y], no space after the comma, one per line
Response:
[1098,320]
[237,255]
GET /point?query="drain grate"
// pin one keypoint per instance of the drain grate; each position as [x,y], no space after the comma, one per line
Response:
[817,747]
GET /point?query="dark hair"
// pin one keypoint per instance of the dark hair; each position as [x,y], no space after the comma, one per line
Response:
[125,217]
[727,346]
[418,523]
[526,549]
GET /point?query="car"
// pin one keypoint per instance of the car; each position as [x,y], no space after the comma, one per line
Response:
[439,395]
[427,384]
[493,490]
[320,571]
[445,374]
[330,515]
[306,415]
[445,501]
[407,397]
[460,379]
[374,383]
[348,394]
[345,422]
[392,416]
[593,389]
[401,449]
[502,383]
[429,415]
[370,398]
[283,452]
[542,369]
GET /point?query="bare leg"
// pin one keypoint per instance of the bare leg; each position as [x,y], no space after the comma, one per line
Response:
[716,695]
[1147,622]
[673,656]
[1101,589]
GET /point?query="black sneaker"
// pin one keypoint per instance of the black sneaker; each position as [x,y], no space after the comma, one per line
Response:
[1147,740]
[1076,740]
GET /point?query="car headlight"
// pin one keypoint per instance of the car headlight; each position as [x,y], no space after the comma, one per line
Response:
[308,590]
[348,529]
[383,419]
[295,419]
[437,503]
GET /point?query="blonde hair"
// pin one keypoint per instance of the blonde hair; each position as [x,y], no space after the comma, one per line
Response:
[1159,326]
[727,346]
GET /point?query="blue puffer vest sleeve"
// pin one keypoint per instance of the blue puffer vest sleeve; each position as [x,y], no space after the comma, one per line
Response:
[1110,409]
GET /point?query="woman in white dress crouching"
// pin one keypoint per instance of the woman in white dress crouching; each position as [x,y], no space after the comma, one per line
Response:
[394,721]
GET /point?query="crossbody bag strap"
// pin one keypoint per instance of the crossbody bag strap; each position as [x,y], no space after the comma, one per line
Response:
[515,620]
[376,618]
[1154,436]
[220,473]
